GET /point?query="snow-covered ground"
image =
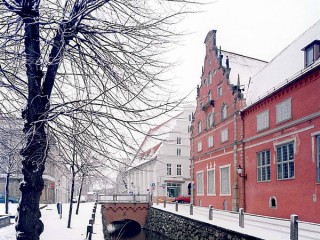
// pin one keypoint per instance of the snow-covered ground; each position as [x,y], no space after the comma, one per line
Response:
[262,227]
[56,228]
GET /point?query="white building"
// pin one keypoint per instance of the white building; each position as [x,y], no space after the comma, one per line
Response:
[162,166]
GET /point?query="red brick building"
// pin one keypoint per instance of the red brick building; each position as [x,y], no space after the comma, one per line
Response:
[282,134]
[215,140]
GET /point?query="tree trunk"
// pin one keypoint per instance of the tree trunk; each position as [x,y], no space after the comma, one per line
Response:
[71,198]
[7,193]
[28,223]
[80,191]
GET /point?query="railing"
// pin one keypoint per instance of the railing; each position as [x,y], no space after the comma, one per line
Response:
[143,198]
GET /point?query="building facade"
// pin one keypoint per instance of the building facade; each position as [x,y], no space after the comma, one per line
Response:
[162,166]
[282,134]
[216,128]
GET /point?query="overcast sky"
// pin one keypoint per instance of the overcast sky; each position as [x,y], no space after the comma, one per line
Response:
[255,28]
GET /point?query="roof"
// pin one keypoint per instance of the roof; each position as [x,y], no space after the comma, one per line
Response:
[283,67]
[245,66]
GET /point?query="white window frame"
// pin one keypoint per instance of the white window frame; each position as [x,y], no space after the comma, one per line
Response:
[224,135]
[285,163]
[283,111]
[199,146]
[209,96]
[263,166]
[224,111]
[209,78]
[200,185]
[219,91]
[263,120]
[229,180]
[210,141]
[178,151]
[169,169]
[179,169]
[178,140]
[213,193]
[199,127]
[308,60]
[210,121]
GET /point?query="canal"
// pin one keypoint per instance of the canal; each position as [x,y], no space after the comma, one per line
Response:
[144,235]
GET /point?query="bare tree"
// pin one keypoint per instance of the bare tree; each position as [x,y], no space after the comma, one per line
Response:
[10,144]
[109,51]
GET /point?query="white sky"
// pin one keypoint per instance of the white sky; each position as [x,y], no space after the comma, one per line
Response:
[254,28]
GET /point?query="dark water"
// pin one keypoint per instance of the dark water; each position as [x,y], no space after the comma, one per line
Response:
[147,235]
[143,235]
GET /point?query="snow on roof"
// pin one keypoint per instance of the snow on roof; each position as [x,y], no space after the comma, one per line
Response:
[245,66]
[283,67]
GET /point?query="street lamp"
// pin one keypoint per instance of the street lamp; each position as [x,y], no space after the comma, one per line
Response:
[240,172]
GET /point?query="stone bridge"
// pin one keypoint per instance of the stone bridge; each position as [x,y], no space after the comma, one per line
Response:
[124,207]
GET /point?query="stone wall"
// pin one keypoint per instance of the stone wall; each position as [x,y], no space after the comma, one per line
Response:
[177,227]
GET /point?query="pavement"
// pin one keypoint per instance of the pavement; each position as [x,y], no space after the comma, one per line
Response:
[56,228]
[259,226]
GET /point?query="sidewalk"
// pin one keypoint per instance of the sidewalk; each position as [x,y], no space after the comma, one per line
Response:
[262,227]
[56,228]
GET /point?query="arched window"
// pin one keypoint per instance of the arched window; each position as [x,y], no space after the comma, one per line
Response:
[199,127]
[209,96]
[209,78]
[210,120]
[224,112]
[273,202]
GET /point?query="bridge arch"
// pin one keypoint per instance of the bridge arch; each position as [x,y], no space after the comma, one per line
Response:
[117,211]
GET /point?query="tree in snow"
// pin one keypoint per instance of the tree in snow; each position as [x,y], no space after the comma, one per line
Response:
[94,62]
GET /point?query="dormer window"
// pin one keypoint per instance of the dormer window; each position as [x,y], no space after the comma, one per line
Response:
[311,52]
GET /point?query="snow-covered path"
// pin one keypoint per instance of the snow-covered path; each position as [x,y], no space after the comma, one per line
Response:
[263,227]
[56,228]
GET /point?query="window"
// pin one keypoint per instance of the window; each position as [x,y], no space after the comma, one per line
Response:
[179,169]
[225,180]
[169,169]
[200,183]
[224,111]
[263,120]
[209,96]
[283,110]
[200,146]
[173,189]
[285,161]
[178,140]
[211,182]
[199,127]
[209,78]
[190,117]
[220,91]
[210,120]
[263,166]
[273,202]
[210,141]
[318,159]
[309,56]
[224,135]
[178,151]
